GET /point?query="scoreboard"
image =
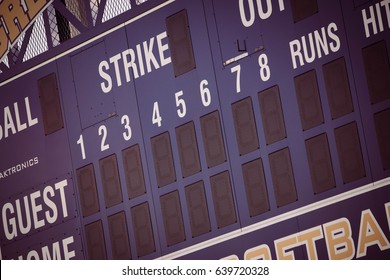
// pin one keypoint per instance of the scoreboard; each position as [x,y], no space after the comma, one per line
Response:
[204,129]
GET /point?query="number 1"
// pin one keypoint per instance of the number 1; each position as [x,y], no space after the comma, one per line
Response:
[81,143]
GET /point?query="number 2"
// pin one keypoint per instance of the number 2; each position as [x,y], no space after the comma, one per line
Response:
[103,132]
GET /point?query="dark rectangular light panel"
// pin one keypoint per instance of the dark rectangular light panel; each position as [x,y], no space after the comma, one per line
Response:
[163,159]
[132,163]
[143,230]
[180,43]
[309,102]
[320,163]
[50,104]
[244,123]
[96,246]
[212,139]
[86,182]
[119,237]
[172,217]
[224,208]
[337,88]
[188,149]
[283,177]
[382,125]
[302,9]
[376,64]
[350,153]
[110,181]
[197,209]
[255,187]
[272,115]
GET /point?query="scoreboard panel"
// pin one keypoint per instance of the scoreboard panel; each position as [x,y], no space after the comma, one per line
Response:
[204,130]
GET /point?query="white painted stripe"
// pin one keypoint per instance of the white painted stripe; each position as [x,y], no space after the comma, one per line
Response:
[88,41]
[280,218]
[236,58]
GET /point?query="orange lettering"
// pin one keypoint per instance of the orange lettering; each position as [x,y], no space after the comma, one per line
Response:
[309,237]
[34,6]
[284,244]
[3,42]
[339,242]
[261,252]
[370,233]
[15,18]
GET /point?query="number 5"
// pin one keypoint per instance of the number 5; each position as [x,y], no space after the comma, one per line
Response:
[182,111]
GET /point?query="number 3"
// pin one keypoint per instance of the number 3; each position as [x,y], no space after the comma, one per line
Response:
[126,123]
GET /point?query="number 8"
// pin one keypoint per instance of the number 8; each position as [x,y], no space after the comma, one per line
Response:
[265,72]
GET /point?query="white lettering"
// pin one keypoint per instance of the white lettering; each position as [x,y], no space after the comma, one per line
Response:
[386,4]
[58,250]
[10,228]
[321,42]
[309,59]
[295,50]
[107,85]
[314,45]
[8,122]
[369,20]
[335,45]
[129,64]
[60,186]
[260,9]
[373,19]
[23,215]
[141,60]
[30,120]
[65,243]
[114,59]
[143,56]
[264,11]
[35,209]
[50,218]
[163,48]
[245,21]
[149,56]
[23,229]
[20,126]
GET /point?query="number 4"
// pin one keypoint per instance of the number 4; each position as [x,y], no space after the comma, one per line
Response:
[156,117]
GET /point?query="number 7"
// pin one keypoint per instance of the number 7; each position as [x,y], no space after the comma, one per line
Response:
[237,69]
